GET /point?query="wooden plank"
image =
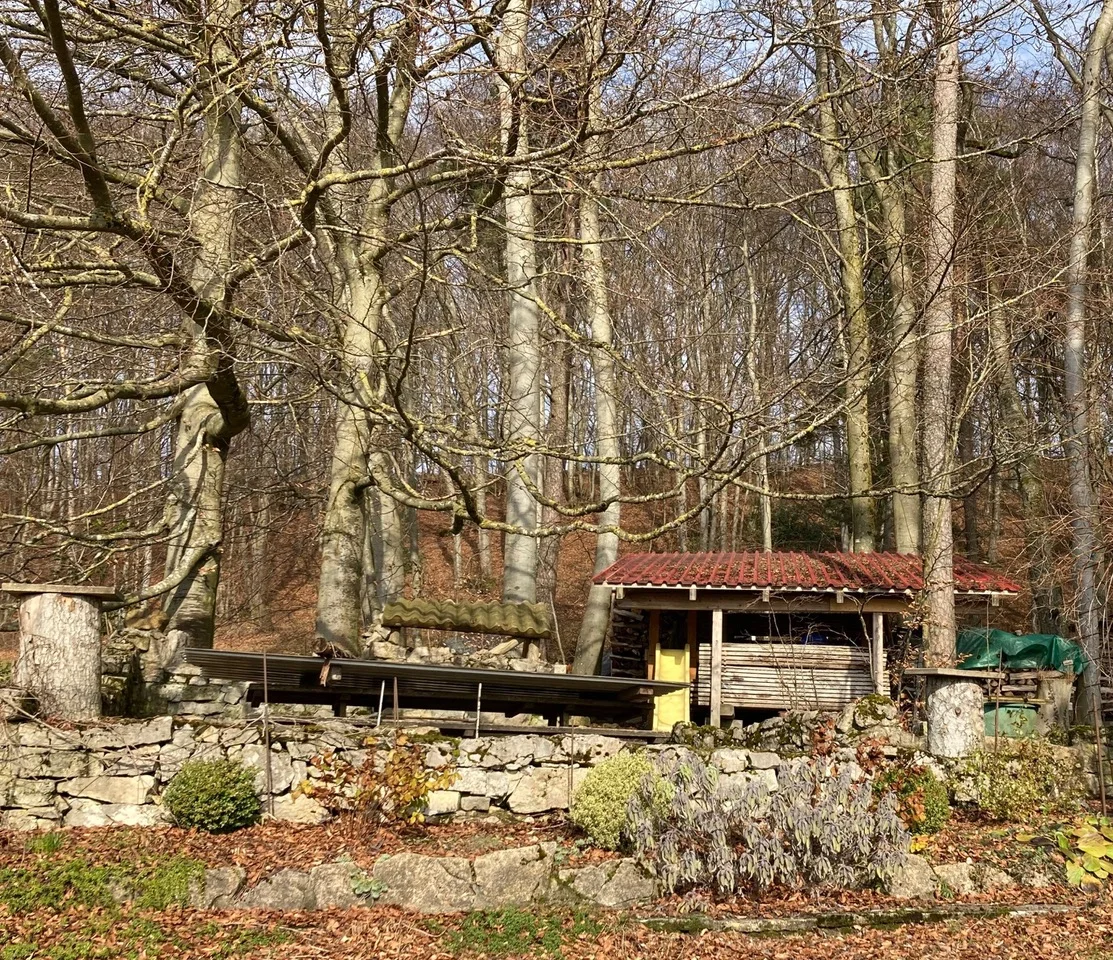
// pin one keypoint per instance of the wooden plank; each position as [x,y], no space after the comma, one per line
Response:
[792,655]
[72,589]
[954,672]
[693,645]
[716,674]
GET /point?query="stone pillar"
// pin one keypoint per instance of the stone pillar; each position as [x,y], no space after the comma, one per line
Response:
[59,660]
[955,716]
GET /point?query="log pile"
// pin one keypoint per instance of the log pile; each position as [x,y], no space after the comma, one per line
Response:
[629,642]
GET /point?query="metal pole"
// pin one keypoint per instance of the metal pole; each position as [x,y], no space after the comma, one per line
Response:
[382,693]
[478,703]
[395,701]
[267,738]
[1100,747]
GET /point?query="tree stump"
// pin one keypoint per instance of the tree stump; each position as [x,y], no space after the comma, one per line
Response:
[59,654]
[955,716]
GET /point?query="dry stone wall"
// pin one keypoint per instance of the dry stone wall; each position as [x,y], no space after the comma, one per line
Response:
[115,773]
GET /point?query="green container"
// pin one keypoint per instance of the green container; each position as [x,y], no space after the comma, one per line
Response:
[1012,719]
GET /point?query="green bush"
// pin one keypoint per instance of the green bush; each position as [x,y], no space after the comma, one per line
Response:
[213,795]
[599,805]
[1019,780]
[921,799]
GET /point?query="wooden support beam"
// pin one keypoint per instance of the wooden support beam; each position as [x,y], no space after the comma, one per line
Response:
[877,655]
[716,667]
[654,641]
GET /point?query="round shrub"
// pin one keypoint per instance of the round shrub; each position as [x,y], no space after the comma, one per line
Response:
[599,805]
[921,799]
[213,795]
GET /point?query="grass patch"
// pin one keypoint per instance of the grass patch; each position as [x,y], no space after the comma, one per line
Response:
[512,931]
[131,938]
[56,883]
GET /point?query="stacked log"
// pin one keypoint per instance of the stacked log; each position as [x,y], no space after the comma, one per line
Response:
[629,643]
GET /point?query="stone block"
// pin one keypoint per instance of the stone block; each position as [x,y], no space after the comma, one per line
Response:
[332,885]
[299,809]
[59,764]
[35,818]
[32,793]
[218,889]
[442,803]
[475,804]
[137,762]
[590,749]
[255,755]
[764,761]
[730,760]
[285,890]
[627,885]
[89,813]
[120,790]
[516,876]
[427,884]
[157,731]
[473,780]
[912,880]
[192,708]
[517,752]
[545,788]
[964,879]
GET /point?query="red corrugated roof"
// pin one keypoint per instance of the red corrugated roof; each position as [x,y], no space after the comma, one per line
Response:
[792,570]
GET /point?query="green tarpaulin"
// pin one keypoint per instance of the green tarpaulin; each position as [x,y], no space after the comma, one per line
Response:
[983,649]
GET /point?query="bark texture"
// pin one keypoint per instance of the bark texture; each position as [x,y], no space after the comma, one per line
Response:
[214,413]
[939,316]
[1085,544]
[597,611]
[59,655]
[523,404]
[955,717]
[852,290]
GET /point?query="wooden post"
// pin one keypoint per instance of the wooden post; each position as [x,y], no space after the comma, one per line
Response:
[59,647]
[654,640]
[716,666]
[877,655]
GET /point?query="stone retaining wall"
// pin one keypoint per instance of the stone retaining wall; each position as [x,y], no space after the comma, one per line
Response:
[116,773]
[513,877]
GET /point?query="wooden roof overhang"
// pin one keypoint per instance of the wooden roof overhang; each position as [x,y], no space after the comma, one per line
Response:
[786,581]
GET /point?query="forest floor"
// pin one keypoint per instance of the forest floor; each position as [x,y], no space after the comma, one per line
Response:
[53,905]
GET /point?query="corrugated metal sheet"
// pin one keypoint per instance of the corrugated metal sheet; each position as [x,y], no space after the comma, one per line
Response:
[529,621]
[874,573]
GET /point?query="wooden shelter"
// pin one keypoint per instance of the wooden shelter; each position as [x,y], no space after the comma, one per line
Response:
[770,631]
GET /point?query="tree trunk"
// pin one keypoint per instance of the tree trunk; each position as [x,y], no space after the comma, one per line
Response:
[1019,449]
[597,611]
[852,288]
[1084,540]
[939,614]
[882,168]
[523,413]
[340,586]
[955,716]
[59,654]
[765,501]
[194,510]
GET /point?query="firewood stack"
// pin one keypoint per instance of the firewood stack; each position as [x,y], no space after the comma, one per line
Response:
[629,642]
